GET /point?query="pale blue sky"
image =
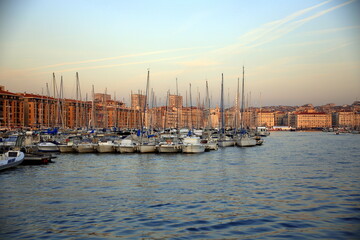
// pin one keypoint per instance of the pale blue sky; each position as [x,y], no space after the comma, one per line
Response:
[294,52]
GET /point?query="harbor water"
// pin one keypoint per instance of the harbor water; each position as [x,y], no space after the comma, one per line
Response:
[297,185]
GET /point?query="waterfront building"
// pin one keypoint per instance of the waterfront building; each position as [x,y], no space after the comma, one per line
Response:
[249,118]
[39,111]
[346,119]
[137,101]
[214,118]
[279,119]
[311,120]
[191,117]
[229,115]
[175,101]
[11,109]
[265,118]
[357,121]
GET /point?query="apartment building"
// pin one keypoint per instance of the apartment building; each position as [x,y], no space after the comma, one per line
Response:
[11,109]
[311,120]
[37,111]
[346,119]
[137,101]
[265,118]
[175,101]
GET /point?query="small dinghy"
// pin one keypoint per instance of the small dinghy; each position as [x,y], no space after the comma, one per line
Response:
[11,159]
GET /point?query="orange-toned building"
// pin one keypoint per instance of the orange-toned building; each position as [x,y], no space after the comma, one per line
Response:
[138,101]
[175,101]
[11,109]
[265,118]
[37,111]
[347,119]
[311,120]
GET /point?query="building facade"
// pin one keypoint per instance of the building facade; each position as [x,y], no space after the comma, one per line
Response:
[37,111]
[175,101]
[311,120]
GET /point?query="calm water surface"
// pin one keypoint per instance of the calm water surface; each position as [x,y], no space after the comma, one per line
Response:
[298,185]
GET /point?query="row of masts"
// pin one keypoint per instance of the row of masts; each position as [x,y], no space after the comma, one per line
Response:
[60,118]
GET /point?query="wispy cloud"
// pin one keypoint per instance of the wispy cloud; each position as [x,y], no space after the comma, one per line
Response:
[122,64]
[112,58]
[276,29]
[199,63]
[266,32]
[333,30]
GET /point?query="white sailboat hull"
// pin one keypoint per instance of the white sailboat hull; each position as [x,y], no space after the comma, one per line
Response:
[105,148]
[211,146]
[85,148]
[226,143]
[147,148]
[66,148]
[169,148]
[125,149]
[246,142]
[193,148]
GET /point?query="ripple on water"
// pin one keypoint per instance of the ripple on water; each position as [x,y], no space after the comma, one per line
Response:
[297,185]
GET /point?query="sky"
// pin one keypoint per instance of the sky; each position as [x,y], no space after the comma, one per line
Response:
[293,52]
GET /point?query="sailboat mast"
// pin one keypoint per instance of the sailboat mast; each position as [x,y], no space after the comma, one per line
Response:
[208,106]
[187,114]
[242,101]
[146,94]
[93,125]
[77,101]
[105,110]
[47,105]
[260,124]
[222,104]
[151,109]
[237,104]
[62,117]
[166,109]
[140,114]
[191,124]
[177,105]
[55,118]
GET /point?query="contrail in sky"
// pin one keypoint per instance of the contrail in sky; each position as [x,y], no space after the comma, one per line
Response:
[112,58]
[277,29]
[123,64]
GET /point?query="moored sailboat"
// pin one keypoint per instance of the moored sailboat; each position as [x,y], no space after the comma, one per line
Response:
[243,139]
[192,144]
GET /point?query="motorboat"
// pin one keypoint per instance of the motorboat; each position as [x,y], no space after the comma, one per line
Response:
[11,159]
[9,142]
[126,146]
[105,147]
[262,131]
[48,147]
[192,144]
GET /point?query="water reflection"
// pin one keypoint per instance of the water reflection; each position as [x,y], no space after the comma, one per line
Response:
[297,185]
